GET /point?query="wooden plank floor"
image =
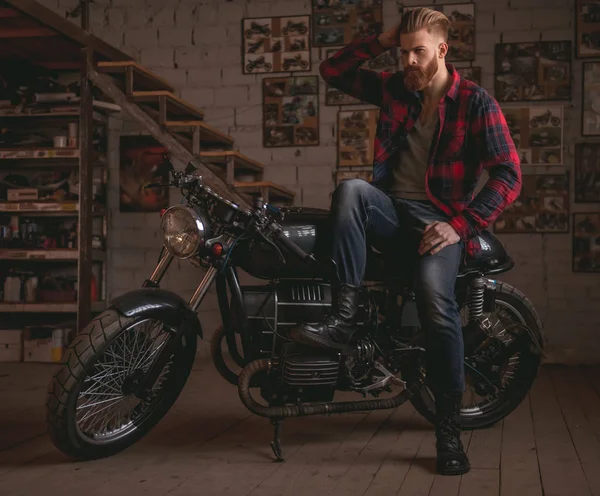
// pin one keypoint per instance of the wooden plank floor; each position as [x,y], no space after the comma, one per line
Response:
[209,444]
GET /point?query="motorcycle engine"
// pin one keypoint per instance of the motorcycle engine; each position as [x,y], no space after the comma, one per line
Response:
[301,373]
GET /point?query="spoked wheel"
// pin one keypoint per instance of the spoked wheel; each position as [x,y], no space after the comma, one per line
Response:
[92,409]
[485,403]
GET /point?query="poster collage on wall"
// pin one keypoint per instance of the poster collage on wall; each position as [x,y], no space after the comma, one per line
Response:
[531,81]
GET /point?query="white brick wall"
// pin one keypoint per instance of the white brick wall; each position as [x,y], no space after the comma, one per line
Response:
[195,44]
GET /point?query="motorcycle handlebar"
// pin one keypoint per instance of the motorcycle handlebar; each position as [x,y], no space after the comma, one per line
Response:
[283,240]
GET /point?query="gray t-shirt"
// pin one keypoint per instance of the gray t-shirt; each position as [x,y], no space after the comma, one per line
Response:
[409,172]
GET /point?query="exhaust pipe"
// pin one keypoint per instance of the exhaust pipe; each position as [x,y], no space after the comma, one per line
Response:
[280,412]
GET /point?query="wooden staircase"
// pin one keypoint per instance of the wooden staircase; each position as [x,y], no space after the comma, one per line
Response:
[184,122]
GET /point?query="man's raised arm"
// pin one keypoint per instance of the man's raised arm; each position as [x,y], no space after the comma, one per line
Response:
[343,69]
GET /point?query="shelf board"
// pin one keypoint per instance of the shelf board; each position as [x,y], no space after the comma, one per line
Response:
[97,116]
[49,163]
[39,153]
[47,255]
[65,208]
[47,307]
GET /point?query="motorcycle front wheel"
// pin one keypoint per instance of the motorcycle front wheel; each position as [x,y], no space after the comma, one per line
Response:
[91,411]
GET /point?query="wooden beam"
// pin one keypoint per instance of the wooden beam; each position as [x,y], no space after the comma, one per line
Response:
[26,33]
[176,149]
[162,109]
[53,20]
[196,141]
[230,161]
[129,81]
[86,178]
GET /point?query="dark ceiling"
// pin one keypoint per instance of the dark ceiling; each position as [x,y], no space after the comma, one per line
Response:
[31,33]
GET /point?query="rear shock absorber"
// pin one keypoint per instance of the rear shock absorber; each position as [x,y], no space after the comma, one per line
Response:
[477,328]
[477,298]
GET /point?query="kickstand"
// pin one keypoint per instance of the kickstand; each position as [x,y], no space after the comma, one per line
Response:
[276,444]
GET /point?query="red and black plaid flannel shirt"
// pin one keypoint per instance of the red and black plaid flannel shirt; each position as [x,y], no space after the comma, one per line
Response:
[474,136]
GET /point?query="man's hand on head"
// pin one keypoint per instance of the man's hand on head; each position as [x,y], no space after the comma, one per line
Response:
[437,236]
[389,38]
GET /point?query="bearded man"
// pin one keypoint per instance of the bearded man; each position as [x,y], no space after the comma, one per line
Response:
[437,132]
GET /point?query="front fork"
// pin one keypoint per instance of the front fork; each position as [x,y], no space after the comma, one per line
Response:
[160,270]
[146,384]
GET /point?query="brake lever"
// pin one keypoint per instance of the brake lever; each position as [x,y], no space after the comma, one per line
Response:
[274,245]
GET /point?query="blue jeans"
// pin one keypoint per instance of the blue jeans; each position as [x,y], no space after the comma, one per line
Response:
[361,214]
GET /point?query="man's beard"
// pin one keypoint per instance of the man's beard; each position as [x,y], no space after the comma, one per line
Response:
[416,79]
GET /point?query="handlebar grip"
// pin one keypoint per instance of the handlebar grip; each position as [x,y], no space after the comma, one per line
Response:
[283,240]
[272,209]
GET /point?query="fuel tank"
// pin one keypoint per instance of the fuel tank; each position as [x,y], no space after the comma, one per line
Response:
[309,228]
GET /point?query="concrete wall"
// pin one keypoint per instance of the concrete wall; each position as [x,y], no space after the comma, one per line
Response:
[196,46]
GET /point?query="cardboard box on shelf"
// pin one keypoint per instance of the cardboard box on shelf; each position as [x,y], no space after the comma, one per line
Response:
[11,345]
[44,343]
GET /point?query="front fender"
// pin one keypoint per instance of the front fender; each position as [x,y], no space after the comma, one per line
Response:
[158,303]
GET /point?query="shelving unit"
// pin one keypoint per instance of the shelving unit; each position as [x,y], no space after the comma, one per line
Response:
[53,211]
[32,254]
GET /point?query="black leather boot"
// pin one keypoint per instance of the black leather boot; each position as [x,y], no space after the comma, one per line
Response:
[338,325]
[451,456]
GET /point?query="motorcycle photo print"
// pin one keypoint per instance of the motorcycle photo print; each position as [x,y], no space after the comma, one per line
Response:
[276,44]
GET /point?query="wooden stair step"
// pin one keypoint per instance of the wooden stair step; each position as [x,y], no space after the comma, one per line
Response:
[135,76]
[233,161]
[168,106]
[269,191]
[208,136]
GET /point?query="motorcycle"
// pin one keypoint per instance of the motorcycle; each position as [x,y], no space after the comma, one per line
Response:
[123,372]
[296,61]
[294,27]
[256,28]
[544,119]
[259,63]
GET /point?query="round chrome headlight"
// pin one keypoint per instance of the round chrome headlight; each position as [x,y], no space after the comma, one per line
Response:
[183,231]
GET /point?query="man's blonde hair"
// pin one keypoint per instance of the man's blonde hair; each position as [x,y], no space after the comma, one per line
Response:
[433,21]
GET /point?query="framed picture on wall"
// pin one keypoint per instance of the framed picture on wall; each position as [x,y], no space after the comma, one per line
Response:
[386,62]
[461,35]
[586,242]
[542,206]
[356,137]
[590,114]
[587,29]
[141,161]
[471,73]
[339,22]
[536,71]
[537,133]
[276,44]
[291,111]
[587,173]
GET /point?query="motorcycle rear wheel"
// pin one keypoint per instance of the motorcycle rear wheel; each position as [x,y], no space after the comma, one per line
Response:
[85,355]
[507,297]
